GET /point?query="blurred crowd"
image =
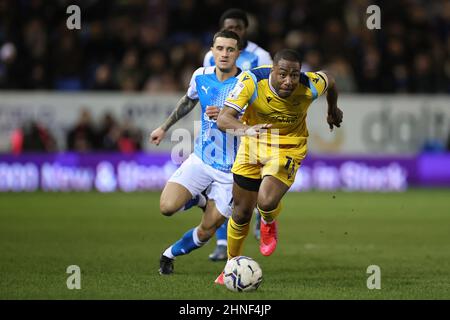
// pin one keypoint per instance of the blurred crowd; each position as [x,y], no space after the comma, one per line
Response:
[84,136]
[112,135]
[154,45]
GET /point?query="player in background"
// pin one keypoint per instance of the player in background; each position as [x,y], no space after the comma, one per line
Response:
[278,98]
[208,168]
[251,56]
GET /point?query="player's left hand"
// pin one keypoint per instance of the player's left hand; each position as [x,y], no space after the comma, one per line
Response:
[335,117]
[212,112]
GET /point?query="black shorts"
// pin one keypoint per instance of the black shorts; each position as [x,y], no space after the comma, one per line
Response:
[247,183]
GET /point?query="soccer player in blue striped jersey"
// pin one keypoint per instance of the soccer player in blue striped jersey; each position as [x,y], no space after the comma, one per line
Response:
[207,170]
[251,56]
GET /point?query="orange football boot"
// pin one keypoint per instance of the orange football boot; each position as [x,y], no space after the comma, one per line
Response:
[219,279]
[269,238]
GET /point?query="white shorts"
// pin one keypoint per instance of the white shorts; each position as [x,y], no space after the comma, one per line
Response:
[196,176]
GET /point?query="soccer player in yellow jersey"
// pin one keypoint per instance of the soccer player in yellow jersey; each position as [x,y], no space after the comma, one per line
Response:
[274,140]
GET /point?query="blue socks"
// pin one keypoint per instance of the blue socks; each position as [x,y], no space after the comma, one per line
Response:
[191,203]
[186,244]
[198,200]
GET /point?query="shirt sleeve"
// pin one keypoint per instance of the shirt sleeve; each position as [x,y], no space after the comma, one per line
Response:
[243,92]
[318,83]
[192,90]
[264,57]
[207,59]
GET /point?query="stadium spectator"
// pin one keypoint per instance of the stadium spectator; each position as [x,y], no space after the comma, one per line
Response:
[423,77]
[104,78]
[109,133]
[313,61]
[67,60]
[342,74]
[85,136]
[130,139]
[164,83]
[82,137]
[122,37]
[10,68]
[129,74]
[32,137]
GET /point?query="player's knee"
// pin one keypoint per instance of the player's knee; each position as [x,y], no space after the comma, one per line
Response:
[242,213]
[242,208]
[267,203]
[167,208]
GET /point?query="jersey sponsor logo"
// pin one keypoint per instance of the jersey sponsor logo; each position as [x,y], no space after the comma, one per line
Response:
[276,117]
[234,94]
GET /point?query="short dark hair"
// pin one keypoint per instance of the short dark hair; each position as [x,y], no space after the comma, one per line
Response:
[234,14]
[287,54]
[227,34]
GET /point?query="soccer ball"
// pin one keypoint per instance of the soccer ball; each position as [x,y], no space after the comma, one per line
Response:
[242,274]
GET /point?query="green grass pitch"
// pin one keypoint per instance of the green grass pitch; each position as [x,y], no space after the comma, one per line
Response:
[326,242]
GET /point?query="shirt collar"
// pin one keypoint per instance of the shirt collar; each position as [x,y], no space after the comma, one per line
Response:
[270,86]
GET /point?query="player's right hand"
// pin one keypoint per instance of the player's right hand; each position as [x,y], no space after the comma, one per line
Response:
[254,131]
[212,112]
[157,135]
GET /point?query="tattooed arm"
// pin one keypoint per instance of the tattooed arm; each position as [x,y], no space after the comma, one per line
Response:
[184,106]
